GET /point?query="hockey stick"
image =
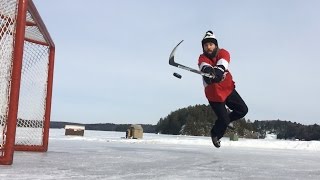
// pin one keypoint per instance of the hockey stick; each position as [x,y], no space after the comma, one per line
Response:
[172,63]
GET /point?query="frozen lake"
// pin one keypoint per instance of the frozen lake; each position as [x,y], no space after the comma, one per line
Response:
[105,155]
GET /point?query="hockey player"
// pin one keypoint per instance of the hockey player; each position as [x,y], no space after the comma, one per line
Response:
[220,91]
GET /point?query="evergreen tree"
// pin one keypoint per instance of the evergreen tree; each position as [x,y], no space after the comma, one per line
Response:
[194,120]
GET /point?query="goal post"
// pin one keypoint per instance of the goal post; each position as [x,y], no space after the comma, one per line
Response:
[26,76]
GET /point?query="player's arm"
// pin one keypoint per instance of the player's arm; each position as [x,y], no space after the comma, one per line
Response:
[206,67]
[222,65]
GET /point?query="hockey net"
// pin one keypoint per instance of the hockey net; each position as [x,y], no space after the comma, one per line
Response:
[26,73]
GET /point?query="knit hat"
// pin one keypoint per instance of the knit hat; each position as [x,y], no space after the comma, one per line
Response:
[209,37]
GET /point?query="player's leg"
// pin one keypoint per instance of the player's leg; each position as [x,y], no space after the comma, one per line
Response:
[237,105]
[222,121]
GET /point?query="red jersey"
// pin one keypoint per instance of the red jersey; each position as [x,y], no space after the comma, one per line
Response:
[218,92]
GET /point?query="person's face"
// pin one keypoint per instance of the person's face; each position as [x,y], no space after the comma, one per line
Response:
[209,47]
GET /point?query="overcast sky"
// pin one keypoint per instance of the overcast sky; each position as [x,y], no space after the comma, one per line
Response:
[111,62]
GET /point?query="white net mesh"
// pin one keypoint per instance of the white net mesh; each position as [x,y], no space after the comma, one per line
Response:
[33,32]
[33,88]
[8,10]
[33,92]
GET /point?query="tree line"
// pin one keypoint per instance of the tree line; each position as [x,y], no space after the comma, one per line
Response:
[147,128]
[198,120]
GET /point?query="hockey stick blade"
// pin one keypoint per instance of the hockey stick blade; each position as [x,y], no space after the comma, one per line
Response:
[171,58]
[173,63]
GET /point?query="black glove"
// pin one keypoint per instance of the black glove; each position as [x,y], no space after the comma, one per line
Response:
[218,72]
[208,70]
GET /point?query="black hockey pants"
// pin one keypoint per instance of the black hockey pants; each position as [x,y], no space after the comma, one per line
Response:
[238,110]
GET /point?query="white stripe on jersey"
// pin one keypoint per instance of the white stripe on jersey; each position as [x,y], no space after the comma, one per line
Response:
[224,63]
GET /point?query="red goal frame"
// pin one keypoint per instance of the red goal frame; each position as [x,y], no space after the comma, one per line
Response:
[8,146]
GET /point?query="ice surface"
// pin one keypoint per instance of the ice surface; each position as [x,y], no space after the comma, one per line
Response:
[105,155]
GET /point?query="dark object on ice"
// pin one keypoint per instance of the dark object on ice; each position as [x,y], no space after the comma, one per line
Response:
[134,132]
[74,130]
[177,75]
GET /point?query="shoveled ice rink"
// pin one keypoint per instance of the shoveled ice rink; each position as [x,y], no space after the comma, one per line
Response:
[106,155]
